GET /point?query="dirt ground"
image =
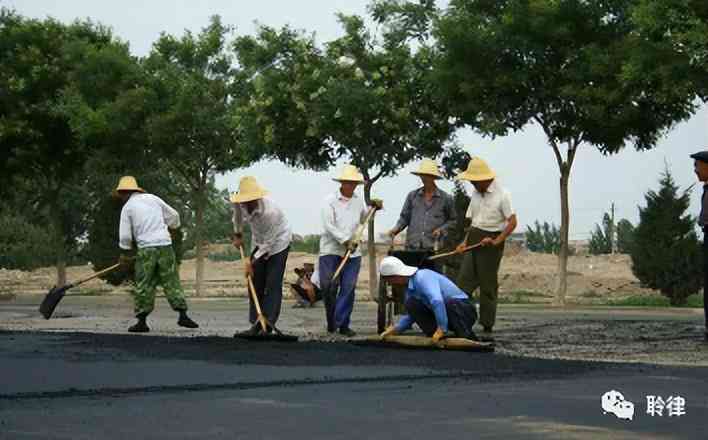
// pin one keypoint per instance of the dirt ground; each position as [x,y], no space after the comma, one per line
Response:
[591,278]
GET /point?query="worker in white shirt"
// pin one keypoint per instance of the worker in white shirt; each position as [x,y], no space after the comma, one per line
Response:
[270,242]
[145,219]
[492,220]
[342,212]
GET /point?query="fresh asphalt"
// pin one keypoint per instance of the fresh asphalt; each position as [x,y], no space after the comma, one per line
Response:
[117,386]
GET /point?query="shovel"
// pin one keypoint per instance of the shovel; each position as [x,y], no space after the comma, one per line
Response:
[56,294]
[277,335]
[331,293]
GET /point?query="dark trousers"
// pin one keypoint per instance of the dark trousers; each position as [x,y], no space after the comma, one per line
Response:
[705,277]
[268,276]
[480,269]
[461,316]
[339,303]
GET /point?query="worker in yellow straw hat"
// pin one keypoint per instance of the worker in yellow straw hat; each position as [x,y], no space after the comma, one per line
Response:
[428,211]
[270,245]
[341,214]
[492,220]
[146,219]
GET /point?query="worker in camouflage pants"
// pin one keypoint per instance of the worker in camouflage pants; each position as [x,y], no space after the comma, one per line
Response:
[145,219]
[157,266]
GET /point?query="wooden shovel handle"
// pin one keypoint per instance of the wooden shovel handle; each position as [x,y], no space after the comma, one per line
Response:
[97,274]
[252,293]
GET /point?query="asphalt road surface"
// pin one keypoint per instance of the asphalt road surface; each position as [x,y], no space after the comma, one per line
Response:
[117,386]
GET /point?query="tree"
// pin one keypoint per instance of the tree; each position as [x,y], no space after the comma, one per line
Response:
[666,254]
[190,128]
[625,236]
[543,238]
[46,66]
[365,99]
[576,69]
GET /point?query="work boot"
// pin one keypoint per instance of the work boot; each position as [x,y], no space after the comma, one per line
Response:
[141,326]
[346,331]
[186,321]
[255,330]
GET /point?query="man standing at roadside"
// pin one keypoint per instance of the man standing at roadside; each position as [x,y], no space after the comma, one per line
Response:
[145,219]
[492,220]
[342,213]
[428,212]
[700,166]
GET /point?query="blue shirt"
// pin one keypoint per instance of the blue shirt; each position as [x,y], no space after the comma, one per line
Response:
[433,290]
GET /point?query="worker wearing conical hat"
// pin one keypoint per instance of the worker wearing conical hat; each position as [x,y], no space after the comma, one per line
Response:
[492,220]
[428,212]
[146,219]
[341,214]
[270,243]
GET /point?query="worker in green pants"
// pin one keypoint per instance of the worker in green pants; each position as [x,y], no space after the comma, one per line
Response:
[492,220]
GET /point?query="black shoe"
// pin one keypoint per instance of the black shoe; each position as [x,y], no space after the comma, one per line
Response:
[255,330]
[346,331]
[186,321]
[139,327]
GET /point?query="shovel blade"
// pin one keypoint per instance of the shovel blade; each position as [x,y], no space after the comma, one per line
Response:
[51,301]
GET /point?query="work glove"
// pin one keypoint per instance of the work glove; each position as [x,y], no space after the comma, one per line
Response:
[238,240]
[376,203]
[247,268]
[351,245]
[438,335]
[388,332]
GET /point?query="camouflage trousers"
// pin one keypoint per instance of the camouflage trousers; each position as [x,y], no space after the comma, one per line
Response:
[157,266]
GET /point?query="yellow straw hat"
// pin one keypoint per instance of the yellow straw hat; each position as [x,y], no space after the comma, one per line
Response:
[127,183]
[350,173]
[248,191]
[428,167]
[477,170]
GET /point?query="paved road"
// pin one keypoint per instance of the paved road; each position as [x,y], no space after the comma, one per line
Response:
[114,386]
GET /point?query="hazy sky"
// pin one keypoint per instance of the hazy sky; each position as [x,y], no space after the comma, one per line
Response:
[524,162]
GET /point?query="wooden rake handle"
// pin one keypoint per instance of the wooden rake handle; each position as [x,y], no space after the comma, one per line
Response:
[252,292]
[455,252]
[356,237]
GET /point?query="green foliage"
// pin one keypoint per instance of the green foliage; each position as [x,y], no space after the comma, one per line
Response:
[23,246]
[230,254]
[308,243]
[601,237]
[666,254]
[543,238]
[625,236]
[693,301]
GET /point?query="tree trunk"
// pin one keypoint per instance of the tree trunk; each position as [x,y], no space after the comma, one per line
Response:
[60,247]
[199,242]
[371,248]
[565,226]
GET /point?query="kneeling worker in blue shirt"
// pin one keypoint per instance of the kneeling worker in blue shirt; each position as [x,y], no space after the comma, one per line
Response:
[432,301]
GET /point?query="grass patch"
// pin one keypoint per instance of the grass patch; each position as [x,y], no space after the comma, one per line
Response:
[229,255]
[522,297]
[693,301]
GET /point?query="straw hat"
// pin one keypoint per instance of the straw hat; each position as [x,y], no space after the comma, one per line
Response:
[127,183]
[477,170]
[428,167]
[350,173]
[248,190]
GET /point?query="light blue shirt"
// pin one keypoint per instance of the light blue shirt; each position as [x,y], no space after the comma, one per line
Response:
[433,290]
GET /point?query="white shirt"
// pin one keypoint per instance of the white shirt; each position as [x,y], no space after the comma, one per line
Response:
[145,218]
[340,218]
[490,211]
[315,278]
[270,231]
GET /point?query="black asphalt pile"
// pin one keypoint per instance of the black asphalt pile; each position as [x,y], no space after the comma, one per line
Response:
[84,347]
